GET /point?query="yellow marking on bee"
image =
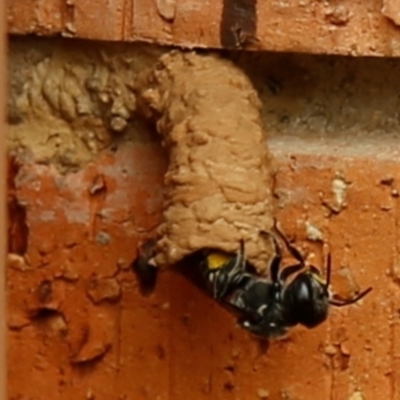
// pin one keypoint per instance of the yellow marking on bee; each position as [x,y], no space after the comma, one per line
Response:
[318,278]
[217,260]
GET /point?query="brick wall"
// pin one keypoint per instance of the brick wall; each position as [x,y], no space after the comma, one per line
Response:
[333,27]
[85,185]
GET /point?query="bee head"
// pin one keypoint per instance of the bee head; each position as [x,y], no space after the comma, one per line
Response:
[306,298]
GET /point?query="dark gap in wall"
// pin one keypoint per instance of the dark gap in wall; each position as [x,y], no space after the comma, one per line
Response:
[18,231]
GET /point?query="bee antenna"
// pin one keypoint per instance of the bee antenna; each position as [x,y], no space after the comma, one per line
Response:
[338,303]
[328,271]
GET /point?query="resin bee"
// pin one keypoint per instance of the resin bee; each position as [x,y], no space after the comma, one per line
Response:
[267,308]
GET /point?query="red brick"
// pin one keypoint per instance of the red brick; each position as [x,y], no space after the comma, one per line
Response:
[178,343]
[351,27]
[75,309]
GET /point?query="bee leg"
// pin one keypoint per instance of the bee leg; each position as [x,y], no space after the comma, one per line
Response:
[276,260]
[238,266]
[248,317]
[290,270]
[229,276]
[293,250]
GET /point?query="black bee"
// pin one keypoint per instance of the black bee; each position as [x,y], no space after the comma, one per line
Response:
[269,307]
[223,273]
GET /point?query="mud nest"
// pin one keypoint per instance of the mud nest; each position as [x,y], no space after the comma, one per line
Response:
[218,182]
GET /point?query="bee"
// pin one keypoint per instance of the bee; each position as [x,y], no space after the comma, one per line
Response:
[222,272]
[268,307]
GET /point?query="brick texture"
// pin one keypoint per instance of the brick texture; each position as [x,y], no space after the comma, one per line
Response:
[346,27]
[78,318]
[78,326]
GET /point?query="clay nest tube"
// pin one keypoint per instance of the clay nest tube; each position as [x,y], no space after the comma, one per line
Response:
[218,183]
